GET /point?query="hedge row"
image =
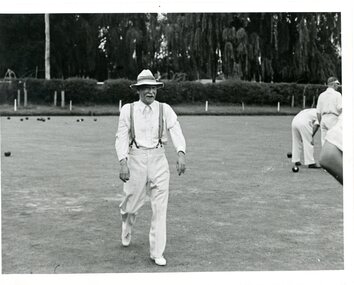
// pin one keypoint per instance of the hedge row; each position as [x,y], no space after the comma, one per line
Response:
[87,91]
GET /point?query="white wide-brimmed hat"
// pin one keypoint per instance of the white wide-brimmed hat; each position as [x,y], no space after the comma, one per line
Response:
[146,78]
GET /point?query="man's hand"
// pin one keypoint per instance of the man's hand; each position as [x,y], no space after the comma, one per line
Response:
[181,163]
[313,141]
[124,173]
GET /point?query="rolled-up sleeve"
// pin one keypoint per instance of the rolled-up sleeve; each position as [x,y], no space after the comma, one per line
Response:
[174,129]
[122,135]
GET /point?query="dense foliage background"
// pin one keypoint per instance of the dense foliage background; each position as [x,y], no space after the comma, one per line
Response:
[261,47]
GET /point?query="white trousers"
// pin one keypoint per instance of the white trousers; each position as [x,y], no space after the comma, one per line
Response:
[149,175]
[301,140]
[327,122]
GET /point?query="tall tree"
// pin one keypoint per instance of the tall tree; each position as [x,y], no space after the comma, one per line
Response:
[47,46]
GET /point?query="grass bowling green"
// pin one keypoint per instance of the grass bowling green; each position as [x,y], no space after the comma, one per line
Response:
[239,206]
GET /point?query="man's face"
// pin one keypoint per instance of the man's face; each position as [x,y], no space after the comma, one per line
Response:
[147,94]
[335,86]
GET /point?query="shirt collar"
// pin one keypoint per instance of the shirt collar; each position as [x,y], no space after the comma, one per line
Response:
[141,106]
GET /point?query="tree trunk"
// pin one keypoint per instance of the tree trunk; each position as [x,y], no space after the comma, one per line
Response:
[47,47]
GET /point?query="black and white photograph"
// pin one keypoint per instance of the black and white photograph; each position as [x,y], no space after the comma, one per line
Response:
[159,142]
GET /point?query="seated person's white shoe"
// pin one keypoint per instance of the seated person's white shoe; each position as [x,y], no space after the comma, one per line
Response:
[161,261]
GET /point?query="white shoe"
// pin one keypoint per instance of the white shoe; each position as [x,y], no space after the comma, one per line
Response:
[161,261]
[126,233]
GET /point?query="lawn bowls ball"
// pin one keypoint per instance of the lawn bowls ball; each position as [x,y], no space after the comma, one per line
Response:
[26,118]
[95,119]
[77,120]
[7,153]
[82,120]
[21,119]
[295,169]
[48,118]
[8,118]
[289,155]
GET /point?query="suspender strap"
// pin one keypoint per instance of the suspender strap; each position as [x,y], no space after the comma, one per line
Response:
[132,129]
[160,124]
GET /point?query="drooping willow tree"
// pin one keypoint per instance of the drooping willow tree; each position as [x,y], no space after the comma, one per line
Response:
[288,47]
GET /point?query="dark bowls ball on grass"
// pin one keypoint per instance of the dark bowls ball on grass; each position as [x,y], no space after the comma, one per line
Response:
[7,153]
[286,196]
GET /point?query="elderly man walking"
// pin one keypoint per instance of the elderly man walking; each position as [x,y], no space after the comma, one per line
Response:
[329,107]
[140,146]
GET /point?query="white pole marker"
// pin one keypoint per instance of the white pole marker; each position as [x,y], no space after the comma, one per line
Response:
[62,98]
[304,102]
[25,97]
[55,98]
[18,97]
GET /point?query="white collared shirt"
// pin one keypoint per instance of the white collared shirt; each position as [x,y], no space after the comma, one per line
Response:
[329,102]
[307,117]
[146,125]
